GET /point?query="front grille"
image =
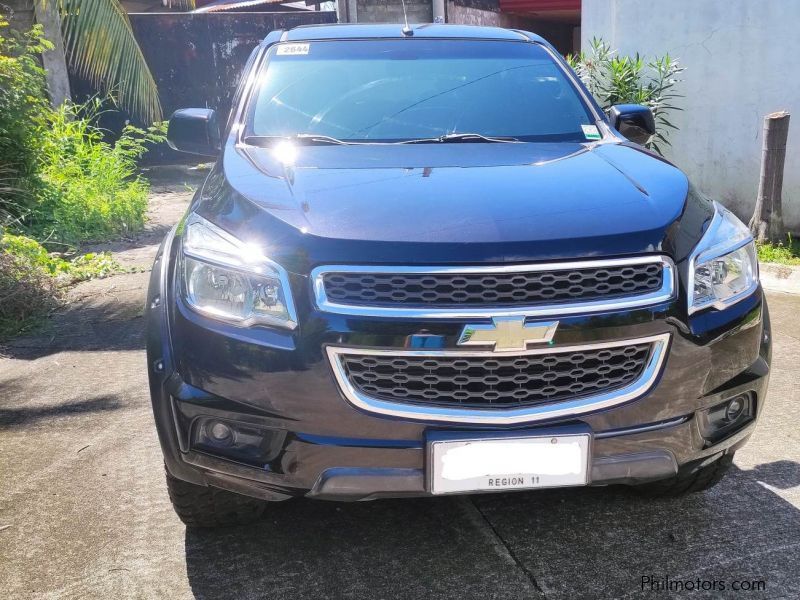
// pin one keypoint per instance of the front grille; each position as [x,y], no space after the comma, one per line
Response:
[495,381]
[496,288]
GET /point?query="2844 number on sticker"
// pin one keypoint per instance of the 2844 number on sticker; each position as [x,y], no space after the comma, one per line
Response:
[293,49]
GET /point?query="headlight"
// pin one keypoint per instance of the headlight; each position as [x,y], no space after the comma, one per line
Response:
[723,268]
[224,278]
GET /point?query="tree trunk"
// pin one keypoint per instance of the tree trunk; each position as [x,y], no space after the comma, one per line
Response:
[54,61]
[767,222]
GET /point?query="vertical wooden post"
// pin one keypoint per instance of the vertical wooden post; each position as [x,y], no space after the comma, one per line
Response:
[767,221]
[54,61]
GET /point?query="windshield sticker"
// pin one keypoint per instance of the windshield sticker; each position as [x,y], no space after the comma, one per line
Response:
[293,49]
[590,132]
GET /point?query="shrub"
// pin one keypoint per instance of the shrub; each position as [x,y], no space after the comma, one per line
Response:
[61,180]
[26,293]
[62,183]
[616,79]
[90,190]
[786,253]
[23,103]
[32,279]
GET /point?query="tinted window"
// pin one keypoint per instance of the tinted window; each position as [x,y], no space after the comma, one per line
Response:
[394,90]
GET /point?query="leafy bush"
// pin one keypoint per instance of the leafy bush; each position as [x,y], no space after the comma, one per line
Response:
[90,190]
[23,96]
[26,293]
[61,181]
[32,279]
[616,79]
[787,253]
[85,266]
[23,103]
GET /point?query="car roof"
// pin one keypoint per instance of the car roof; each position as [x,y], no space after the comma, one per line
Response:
[383,31]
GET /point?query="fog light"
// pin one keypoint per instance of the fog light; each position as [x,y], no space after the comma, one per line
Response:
[734,409]
[240,442]
[220,433]
[725,418]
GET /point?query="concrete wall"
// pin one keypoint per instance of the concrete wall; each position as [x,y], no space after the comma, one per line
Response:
[19,13]
[390,11]
[741,60]
[462,12]
[487,12]
[196,59]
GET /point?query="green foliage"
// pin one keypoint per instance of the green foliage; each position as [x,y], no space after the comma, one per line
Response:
[62,183]
[32,279]
[101,47]
[90,190]
[93,265]
[26,294]
[782,253]
[616,79]
[23,102]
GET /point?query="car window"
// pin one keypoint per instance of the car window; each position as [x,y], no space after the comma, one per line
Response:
[400,90]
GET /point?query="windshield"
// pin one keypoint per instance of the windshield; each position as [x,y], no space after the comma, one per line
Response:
[410,89]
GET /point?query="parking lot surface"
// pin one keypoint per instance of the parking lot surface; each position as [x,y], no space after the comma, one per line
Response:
[84,511]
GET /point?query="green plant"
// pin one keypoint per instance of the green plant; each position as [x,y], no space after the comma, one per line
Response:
[92,265]
[783,253]
[23,102]
[616,79]
[26,294]
[32,280]
[100,45]
[90,190]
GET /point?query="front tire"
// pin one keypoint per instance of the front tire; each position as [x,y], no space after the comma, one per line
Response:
[689,482]
[199,506]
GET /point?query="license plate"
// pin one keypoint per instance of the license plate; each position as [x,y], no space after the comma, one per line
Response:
[509,463]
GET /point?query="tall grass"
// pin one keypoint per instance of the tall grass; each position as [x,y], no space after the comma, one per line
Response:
[62,183]
[90,190]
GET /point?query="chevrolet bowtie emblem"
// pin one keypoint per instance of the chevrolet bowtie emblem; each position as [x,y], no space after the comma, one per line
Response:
[506,334]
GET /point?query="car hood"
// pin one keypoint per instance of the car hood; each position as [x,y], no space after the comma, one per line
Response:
[521,200]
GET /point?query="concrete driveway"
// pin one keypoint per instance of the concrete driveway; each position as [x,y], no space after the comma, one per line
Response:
[84,510]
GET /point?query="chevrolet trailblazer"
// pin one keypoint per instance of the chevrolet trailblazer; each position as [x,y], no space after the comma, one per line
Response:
[427,262]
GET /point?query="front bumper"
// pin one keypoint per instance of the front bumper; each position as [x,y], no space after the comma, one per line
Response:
[329,448]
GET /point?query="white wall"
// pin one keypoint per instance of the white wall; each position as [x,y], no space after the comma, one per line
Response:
[742,60]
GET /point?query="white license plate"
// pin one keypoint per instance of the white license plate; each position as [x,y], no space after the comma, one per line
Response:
[509,463]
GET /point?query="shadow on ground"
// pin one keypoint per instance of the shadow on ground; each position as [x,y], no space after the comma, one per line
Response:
[106,314]
[430,547]
[17,418]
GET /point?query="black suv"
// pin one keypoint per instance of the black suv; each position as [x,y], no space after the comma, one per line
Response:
[426,262]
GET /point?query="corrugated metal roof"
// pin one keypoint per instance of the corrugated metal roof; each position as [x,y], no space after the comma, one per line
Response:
[233,5]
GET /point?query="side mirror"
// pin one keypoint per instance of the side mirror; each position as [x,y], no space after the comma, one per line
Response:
[633,121]
[194,130]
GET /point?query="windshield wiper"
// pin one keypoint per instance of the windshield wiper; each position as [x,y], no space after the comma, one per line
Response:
[300,138]
[450,138]
[326,140]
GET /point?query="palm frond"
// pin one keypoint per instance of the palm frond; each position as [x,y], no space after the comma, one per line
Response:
[100,46]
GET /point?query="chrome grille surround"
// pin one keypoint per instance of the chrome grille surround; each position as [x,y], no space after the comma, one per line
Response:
[465,289]
[563,405]
[509,288]
[500,382]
